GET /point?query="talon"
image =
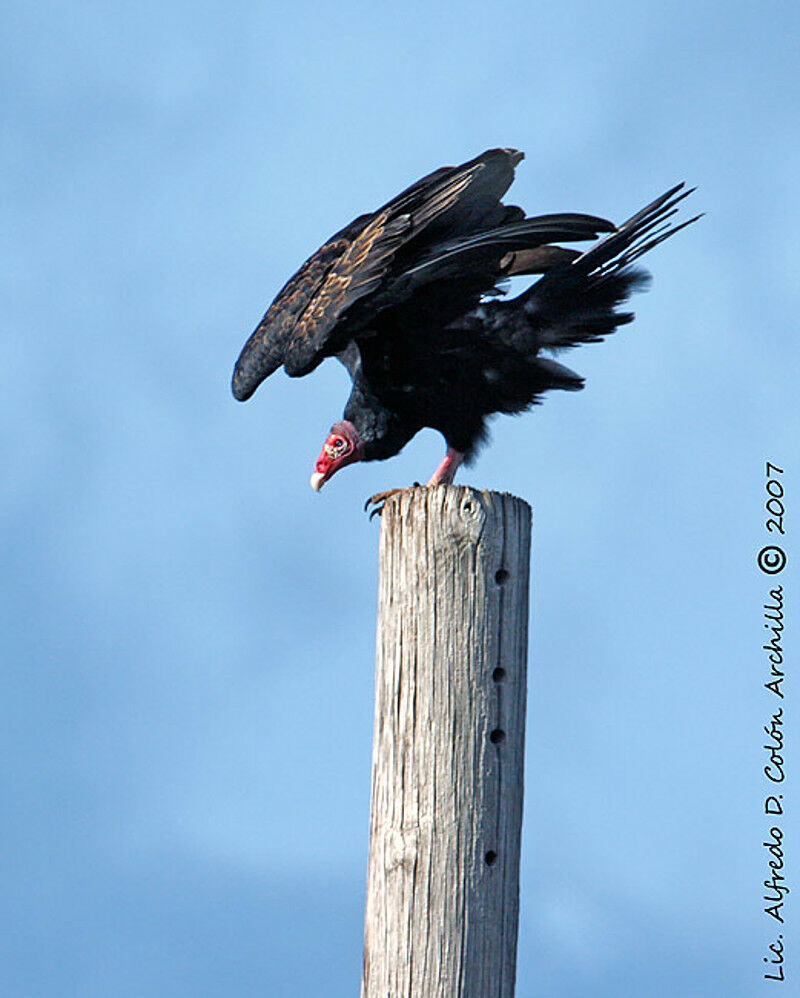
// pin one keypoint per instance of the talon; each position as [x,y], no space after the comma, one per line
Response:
[379,501]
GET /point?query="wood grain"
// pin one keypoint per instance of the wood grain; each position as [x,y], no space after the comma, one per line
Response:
[447,768]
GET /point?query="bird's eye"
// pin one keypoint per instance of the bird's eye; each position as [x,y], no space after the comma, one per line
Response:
[336,447]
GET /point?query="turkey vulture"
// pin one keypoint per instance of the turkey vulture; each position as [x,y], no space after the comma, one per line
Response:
[409,299]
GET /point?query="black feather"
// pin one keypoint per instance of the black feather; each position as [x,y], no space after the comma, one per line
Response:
[401,296]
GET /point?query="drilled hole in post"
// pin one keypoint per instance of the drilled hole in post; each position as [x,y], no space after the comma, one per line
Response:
[499,674]
[500,576]
[497,736]
[490,857]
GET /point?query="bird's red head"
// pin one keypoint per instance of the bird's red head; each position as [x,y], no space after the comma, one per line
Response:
[342,446]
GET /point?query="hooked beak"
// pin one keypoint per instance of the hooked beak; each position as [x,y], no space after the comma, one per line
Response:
[342,446]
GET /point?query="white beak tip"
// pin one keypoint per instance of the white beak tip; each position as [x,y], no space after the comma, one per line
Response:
[317,481]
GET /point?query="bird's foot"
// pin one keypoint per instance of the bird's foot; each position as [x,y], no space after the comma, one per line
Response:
[378,501]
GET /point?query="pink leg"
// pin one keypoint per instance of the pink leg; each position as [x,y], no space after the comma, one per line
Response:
[443,475]
[446,471]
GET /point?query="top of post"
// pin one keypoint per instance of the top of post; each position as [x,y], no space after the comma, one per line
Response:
[461,501]
[443,515]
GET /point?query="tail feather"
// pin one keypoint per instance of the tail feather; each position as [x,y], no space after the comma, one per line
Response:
[641,233]
[557,375]
[519,235]
[576,302]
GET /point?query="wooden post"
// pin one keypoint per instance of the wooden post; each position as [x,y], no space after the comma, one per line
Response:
[447,763]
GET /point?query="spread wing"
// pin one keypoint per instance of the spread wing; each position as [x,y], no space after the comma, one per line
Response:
[300,327]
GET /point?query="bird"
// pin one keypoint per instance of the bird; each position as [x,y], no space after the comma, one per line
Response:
[413,300]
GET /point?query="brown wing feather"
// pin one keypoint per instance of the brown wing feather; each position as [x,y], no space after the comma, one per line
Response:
[298,329]
[264,351]
[362,267]
[358,271]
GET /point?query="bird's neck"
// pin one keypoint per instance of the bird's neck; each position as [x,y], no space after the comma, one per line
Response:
[383,433]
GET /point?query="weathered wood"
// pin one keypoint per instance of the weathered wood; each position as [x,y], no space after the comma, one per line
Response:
[447,765]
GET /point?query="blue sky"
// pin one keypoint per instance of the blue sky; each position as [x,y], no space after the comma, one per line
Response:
[188,631]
